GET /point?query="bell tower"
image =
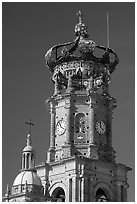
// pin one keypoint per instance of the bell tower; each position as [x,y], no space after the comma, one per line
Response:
[81,158]
[81,123]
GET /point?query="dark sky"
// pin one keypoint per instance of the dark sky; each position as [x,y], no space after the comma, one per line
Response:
[29,30]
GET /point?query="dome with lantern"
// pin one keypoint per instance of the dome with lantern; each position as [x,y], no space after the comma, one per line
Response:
[28,180]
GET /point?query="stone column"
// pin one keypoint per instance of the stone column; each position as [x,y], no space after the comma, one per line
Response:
[106,78]
[86,189]
[109,123]
[52,125]
[91,189]
[82,184]
[91,85]
[68,120]
[51,152]
[66,182]
[25,161]
[91,122]
[93,148]
[124,191]
[79,189]
[119,191]
[75,189]
[70,85]
[82,189]
[70,190]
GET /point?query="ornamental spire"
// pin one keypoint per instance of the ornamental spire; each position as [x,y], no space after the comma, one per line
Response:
[29,134]
[28,154]
[81,28]
[79,14]
[28,140]
[7,190]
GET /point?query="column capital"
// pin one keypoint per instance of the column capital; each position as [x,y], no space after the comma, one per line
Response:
[122,183]
[92,102]
[67,106]
[51,110]
[90,87]
[52,106]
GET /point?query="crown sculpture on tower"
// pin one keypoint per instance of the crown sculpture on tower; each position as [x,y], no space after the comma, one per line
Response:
[74,65]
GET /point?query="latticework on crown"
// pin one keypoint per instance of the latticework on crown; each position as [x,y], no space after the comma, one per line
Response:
[77,60]
[79,49]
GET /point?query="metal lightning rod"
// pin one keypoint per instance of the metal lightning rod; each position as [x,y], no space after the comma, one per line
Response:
[107,30]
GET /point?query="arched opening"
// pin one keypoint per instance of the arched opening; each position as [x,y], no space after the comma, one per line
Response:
[80,123]
[102,196]
[27,165]
[58,195]
[32,161]
[23,161]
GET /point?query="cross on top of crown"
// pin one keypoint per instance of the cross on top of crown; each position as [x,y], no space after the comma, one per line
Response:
[80,15]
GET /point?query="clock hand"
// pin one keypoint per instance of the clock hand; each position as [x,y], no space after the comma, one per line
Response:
[61,126]
[101,128]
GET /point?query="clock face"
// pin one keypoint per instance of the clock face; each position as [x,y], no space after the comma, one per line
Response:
[61,127]
[100,127]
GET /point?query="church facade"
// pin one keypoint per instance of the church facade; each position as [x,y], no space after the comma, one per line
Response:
[81,165]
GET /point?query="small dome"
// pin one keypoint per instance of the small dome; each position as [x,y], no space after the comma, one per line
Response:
[28,148]
[30,176]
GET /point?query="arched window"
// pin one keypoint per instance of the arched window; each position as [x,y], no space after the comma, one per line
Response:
[23,161]
[58,195]
[32,160]
[101,196]
[15,189]
[27,165]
